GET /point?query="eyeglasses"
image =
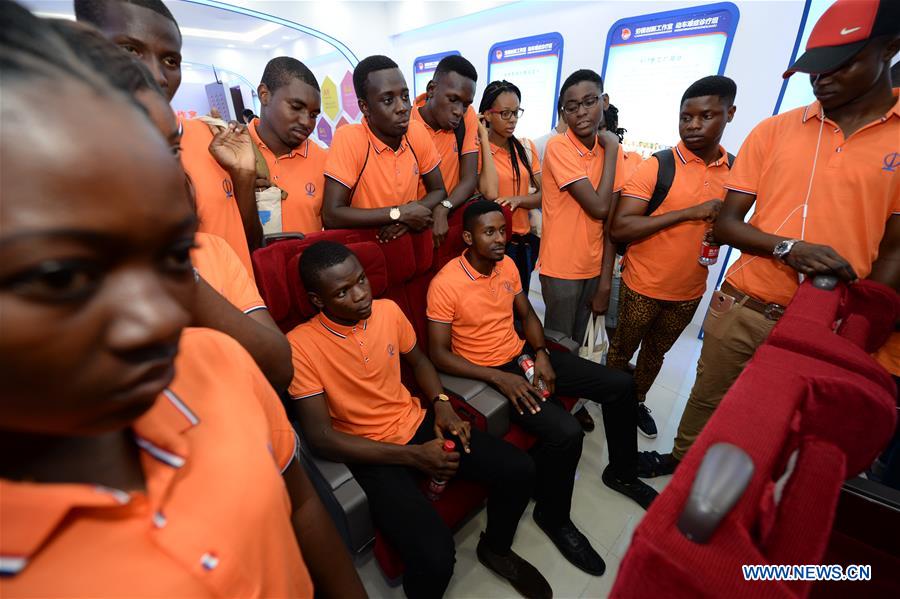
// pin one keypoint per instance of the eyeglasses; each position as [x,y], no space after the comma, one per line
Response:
[508,114]
[572,107]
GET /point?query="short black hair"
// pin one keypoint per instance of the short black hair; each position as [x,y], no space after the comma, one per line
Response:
[364,68]
[456,64]
[122,70]
[248,113]
[476,210]
[94,11]
[576,78]
[714,85]
[282,69]
[318,257]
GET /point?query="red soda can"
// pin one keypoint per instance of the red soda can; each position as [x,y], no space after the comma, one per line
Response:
[709,250]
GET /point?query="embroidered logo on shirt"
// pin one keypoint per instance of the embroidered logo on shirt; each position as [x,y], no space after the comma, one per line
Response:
[229,190]
[416,169]
[891,162]
[508,286]
[310,189]
[390,350]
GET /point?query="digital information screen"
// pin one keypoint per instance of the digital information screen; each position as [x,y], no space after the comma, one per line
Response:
[651,59]
[532,64]
[423,69]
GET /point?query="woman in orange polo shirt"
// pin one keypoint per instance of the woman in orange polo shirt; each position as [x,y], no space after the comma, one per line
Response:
[120,478]
[510,173]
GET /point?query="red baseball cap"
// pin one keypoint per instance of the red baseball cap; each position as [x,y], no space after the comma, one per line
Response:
[843,30]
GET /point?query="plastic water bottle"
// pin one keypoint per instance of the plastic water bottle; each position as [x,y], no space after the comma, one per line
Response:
[709,250]
[526,363]
[435,486]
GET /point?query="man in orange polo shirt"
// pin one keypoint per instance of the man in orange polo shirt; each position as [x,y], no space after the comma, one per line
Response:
[220,164]
[446,110]
[373,168]
[290,99]
[582,173]
[106,457]
[824,183]
[662,281]
[471,305]
[353,408]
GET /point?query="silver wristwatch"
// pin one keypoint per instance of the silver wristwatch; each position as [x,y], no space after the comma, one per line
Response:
[394,213]
[446,204]
[784,248]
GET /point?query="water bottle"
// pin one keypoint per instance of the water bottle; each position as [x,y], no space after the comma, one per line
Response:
[435,486]
[709,250]
[526,363]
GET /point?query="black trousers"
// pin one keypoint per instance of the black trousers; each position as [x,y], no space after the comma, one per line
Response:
[560,436]
[413,527]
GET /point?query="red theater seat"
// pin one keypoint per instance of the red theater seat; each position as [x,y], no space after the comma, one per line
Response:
[811,409]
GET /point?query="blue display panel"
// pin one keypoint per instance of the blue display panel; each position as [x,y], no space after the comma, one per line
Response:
[423,69]
[797,90]
[533,65]
[651,59]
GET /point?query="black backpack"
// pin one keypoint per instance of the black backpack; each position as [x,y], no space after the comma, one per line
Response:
[665,176]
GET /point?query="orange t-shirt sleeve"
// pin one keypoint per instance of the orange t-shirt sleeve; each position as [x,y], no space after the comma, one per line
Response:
[282,436]
[241,291]
[747,170]
[306,381]
[621,176]
[535,159]
[470,141]
[407,335]
[566,164]
[643,181]
[426,153]
[346,155]
[441,302]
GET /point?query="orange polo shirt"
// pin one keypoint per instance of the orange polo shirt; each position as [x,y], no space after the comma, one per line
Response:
[571,240]
[301,173]
[220,267]
[217,206]
[358,369]
[632,160]
[855,190]
[507,183]
[479,310]
[445,143]
[664,266]
[214,520]
[390,178]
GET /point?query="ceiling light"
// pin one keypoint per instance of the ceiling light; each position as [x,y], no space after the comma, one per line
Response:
[231,45]
[248,36]
[55,15]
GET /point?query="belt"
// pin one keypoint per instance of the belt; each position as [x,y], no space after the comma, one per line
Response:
[770,311]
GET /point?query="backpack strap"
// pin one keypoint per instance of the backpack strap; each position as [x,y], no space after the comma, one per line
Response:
[665,175]
[730,160]
[359,177]
[460,133]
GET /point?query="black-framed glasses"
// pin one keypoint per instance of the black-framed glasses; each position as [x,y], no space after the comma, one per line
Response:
[572,107]
[508,114]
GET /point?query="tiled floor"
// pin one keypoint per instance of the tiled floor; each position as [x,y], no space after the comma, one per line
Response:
[607,518]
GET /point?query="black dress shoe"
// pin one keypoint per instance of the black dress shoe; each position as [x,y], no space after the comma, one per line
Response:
[584,419]
[574,546]
[524,577]
[636,489]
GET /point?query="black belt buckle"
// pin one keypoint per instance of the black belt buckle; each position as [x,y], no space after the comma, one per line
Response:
[773,311]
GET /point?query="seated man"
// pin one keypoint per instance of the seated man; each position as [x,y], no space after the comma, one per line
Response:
[446,110]
[290,99]
[471,304]
[373,168]
[352,405]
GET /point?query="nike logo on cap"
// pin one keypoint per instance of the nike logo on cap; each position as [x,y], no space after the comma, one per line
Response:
[846,31]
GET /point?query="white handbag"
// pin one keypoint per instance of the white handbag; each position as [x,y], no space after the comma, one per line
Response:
[596,341]
[268,205]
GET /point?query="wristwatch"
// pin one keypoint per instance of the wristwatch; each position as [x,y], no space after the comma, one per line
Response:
[783,248]
[446,204]
[440,397]
[394,213]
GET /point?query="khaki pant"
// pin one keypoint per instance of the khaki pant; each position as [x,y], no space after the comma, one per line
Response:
[730,340]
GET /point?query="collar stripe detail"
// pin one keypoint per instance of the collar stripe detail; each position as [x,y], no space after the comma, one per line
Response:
[10,566]
[166,457]
[182,407]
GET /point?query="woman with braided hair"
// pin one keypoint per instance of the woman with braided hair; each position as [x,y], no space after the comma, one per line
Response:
[510,173]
